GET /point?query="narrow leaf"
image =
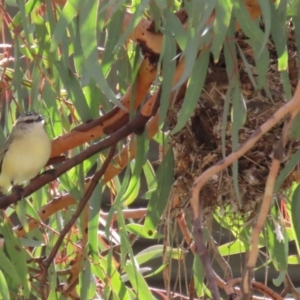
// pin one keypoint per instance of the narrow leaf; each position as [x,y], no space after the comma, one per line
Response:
[221,23]
[18,257]
[194,90]
[277,249]
[138,282]
[158,201]
[75,92]
[3,288]
[68,13]
[88,36]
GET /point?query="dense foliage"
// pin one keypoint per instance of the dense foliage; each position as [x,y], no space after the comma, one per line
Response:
[174,125]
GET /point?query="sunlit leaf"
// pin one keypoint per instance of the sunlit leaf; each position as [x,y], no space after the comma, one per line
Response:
[293,260]
[156,251]
[139,230]
[232,248]
[278,249]
[75,92]
[221,23]
[138,282]
[3,287]
[134,184]
[68,13]
[29,7]
[157,271]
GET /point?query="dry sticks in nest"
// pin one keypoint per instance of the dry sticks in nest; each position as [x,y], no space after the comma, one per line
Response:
[291,108]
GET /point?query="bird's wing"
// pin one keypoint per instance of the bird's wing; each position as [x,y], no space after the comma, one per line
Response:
[3,152]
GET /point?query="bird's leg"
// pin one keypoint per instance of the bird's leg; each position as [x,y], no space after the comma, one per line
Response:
[18,190]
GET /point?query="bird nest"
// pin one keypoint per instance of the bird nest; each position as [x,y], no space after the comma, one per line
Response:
[198,145]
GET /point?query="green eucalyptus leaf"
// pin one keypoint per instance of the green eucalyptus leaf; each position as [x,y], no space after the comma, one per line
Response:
[138,282]
[198,272]
[158,201]
[169,66]
[88,38]
[18,257]
[68,13]
[112,36]
[194,90]
[288,168]
[221,23]
[4,292]
[139,230]
[280,279]
[278,249]
[74,90]
[9,268]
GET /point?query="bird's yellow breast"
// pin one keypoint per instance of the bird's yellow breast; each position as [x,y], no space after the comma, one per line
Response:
[25,157]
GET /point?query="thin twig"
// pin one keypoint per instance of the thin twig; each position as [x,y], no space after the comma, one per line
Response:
[46,263]
[266,204]
[202,251]
[261,287]
[289,288]
[289,107]
[278,155]
[80,207]
[256,136]
[223,263]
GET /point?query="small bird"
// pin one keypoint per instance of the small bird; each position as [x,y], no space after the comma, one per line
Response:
[25,152]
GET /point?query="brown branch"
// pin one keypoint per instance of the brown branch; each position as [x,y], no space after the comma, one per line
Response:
[262,288]
[222,262]
[151,43]
[278,155]
[120,160]
[266,204]
[292,105]
[114,119]
[137,122]
[229,287]
[68,289]
[76,264]
[289,288]
[202,251]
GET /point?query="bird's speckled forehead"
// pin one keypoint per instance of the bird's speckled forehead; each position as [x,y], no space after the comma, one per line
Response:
[30,117]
